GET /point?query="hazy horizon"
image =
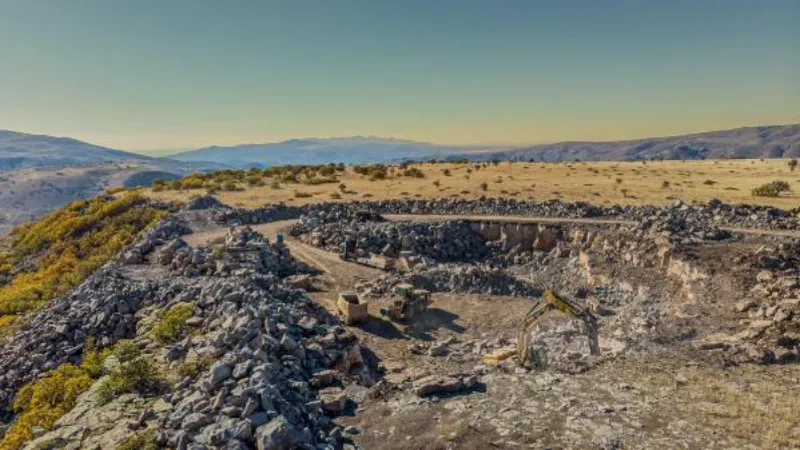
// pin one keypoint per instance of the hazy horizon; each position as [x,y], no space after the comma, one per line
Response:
[161,77]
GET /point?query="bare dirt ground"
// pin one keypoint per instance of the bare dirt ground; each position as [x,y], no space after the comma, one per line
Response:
[667,397]
[624,183]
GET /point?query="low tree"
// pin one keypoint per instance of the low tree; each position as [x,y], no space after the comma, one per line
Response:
[773,189]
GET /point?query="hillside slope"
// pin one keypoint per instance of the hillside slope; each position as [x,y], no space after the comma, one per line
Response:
[21,150]
[752,142]
[39,173]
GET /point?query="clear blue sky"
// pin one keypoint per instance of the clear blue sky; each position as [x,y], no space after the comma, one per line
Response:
[157,74]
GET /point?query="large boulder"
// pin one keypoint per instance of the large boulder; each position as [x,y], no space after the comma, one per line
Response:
[278,434]
[560,342]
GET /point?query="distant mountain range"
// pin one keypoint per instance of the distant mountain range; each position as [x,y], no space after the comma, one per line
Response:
[20,150]
[348,150]
[751,142]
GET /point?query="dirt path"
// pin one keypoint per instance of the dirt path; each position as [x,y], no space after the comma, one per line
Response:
[344,275]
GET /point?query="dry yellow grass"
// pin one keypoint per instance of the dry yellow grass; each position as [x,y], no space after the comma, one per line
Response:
[743,401]
[594,182]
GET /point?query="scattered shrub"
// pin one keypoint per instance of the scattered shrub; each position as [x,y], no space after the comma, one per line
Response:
[484,186]
[134,373]
[193,368]
[143,440]
[115,190]
[43,401]
[773,189]
[373,172]
[413,172]
[301,194]
[172,327]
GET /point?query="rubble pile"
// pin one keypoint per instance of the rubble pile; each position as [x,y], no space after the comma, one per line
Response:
[280,361]
[772,307]
[243,252]
[493,206]
[714,212]
[455,278]
[702,219]
[163,231]
[325,213]
[684,224]
[276,362]
[269,213]
[441,241]
[101,308]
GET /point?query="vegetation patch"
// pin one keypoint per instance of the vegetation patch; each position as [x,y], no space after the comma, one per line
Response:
[773,189]
[144,440]
[234,180]
[42,402]
[133,373]
[172,327]
[194,367]
[48,257]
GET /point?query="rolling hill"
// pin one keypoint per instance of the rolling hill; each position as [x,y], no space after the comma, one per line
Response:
[40,173]
[22,150]
[751,142]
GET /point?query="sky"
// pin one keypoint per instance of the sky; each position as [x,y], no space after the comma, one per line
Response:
[149,75]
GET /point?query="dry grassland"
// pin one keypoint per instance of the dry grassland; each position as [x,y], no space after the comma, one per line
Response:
[595,182]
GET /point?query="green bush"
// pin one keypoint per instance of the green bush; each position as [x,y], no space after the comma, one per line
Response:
[773,189]
[192,368]
[172,327]
[144,440]
[413,172]
[43,401]
[134,373]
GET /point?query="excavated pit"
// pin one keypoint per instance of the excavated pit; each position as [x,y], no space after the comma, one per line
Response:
[674,313]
